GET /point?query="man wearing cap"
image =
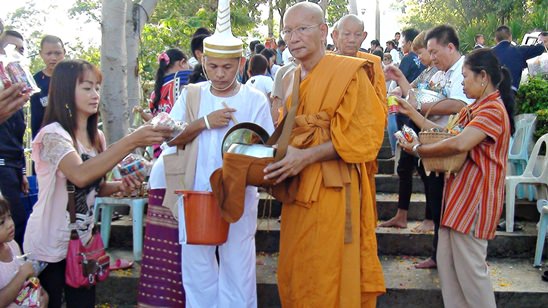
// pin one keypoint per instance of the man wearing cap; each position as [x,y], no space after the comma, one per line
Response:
[328,250]
[231,280]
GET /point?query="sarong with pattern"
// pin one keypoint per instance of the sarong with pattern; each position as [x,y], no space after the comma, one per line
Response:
[160,284]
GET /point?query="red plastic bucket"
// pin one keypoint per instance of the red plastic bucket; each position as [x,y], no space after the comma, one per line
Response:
[204,224]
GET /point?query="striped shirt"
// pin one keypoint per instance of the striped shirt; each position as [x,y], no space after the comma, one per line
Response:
[477,191]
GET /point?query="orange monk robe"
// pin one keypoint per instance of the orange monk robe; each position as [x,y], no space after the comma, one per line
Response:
[316,267]
[379,83]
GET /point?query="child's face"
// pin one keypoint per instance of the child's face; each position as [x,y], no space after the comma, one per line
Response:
[7,228]
[52,53]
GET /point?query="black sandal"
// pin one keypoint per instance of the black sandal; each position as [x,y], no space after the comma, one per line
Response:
[545,276]
[502,226]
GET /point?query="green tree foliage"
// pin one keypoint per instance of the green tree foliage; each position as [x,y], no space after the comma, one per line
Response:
[336,10]
[470,17]
[532,97]
[174,22]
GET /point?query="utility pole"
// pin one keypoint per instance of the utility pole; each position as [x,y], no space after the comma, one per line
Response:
[377,20]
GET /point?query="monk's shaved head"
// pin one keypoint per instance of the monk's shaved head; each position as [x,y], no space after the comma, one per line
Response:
[349,19]
[348,35]
[312,9]
[305,33]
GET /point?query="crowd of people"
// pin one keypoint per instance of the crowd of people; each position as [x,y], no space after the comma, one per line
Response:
[328,249]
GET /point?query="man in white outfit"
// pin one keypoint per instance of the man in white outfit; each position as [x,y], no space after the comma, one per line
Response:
[231,280]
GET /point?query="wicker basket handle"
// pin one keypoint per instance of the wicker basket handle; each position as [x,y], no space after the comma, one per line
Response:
[468,115]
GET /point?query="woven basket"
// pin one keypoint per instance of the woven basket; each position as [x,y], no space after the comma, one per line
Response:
[449,164]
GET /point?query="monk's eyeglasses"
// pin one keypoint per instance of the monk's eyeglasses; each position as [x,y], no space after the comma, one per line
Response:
[288,33]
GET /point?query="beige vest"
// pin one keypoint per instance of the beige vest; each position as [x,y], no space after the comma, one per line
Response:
[180,167]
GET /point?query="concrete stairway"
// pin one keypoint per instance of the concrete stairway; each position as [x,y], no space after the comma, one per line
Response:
[510,255]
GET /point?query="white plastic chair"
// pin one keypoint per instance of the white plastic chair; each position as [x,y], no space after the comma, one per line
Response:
[536,172]
[520,147]
[542,206]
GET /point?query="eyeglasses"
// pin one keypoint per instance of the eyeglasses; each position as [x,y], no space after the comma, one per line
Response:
[287,33]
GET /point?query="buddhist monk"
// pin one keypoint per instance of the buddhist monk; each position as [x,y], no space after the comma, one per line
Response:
[348,36]
[328,250]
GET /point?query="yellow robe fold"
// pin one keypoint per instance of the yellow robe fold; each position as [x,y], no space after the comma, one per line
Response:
[379,83]
[316,268]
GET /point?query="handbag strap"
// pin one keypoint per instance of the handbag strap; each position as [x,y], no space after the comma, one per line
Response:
[71,204]
[283,131]
[71,208]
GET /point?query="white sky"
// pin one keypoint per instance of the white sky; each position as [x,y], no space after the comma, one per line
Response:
[59,24]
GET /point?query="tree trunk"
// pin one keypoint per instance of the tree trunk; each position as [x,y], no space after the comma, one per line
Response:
[134,94]
[270,19]
[136,17]
[323,4]
[281,6]
[114,67]
[353,7]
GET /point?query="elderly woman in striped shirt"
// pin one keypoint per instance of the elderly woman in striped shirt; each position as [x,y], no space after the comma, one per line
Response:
[473,198]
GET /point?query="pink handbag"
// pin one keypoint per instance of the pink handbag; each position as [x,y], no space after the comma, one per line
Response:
[86,265]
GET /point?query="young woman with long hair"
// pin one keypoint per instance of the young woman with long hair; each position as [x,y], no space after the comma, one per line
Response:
[69,147]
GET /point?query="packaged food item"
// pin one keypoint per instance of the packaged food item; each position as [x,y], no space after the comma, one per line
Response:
[133,164]
[408,133]
[14,69]
[5,81]
[163,119]
[29,296]
[393,106]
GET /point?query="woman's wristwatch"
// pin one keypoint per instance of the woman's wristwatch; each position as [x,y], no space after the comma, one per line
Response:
[415,149]
[419,106]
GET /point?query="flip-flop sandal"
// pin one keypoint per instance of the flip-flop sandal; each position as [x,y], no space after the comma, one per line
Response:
[502,226]
[116,216]
[120,264]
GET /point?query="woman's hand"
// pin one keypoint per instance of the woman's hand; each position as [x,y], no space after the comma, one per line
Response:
[392,72]
[408,146]
[147,135]
[220,118]
[130,183]
[11,100]
[407,107]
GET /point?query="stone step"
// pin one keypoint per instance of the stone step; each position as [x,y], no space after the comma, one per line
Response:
[386,166]
[385,152]
[387,205]
[391,241]
[519,244]
[515,281]
[394,241]
[389,184]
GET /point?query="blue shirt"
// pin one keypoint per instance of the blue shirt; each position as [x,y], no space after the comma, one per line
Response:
[38,102]
[515,57]
[11,140]
[411,66]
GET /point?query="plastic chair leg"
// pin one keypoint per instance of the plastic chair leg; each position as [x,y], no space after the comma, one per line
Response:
[532,192]
[520,189]
[138,213]
[540,239]
[510,204]
[106,218]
